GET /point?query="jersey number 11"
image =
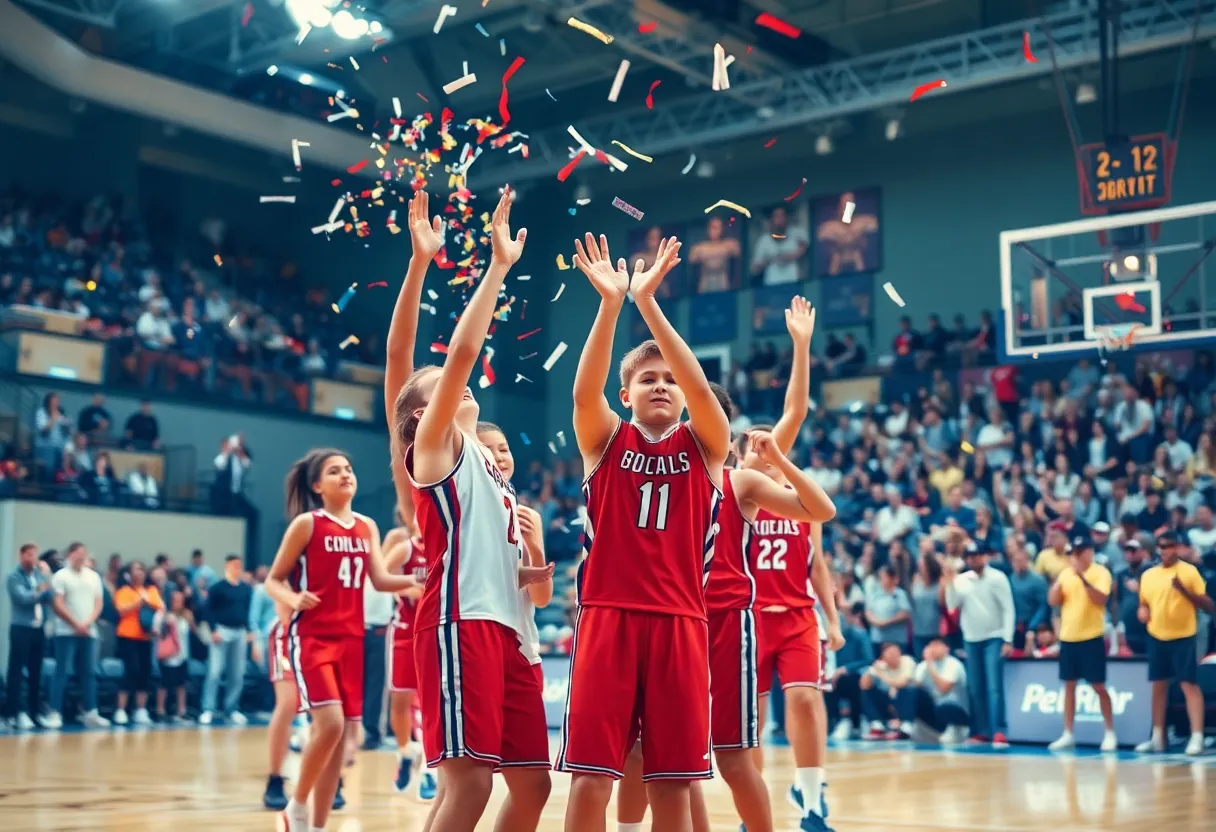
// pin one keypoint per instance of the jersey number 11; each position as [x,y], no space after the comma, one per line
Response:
[647,490]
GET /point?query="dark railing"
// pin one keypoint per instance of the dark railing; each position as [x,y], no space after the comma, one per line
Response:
[74,494]
[18,406]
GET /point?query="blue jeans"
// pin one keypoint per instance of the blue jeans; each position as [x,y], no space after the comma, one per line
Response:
[80,651]
[986,684]
[938,717]
[226,659]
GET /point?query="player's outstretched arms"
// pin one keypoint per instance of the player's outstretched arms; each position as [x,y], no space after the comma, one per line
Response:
[708,421]
[800,321]
[807,502]
[437,441]
[594,420]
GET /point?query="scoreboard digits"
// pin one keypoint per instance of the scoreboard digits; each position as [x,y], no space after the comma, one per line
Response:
[1128,173]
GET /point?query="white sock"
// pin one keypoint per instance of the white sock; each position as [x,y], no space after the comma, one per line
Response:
[810,782]
[630,827]
[297,810]
[317,828]
[1159,736]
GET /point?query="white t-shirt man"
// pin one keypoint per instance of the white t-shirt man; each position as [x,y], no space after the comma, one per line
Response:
[999,456]
[81,592]
[769,250]
[948,669]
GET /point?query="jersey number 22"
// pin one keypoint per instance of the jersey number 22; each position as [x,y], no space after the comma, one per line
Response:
[772,554]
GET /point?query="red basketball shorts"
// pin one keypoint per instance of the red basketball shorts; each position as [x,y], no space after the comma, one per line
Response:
[402,675]
[631,669]
[734,695]
[278,666]
[789,642]
[479,696]
[328,671]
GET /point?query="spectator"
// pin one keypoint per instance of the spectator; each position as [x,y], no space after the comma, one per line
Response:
[100,484]
[852,660]
[779,255]
[142,486]
[173,628]
[227,613]
[887,696]
[1171,594]
[142,431]
[137,603]
[79,597]
[1030,609]
[1125,586]
[894,521]
[198,571]
[94,421]
[1081,593]
[889,611]
[1053,558]
[941,697]
[1134,421]
[926,603]
[985,601]
[29,591]
[52,431]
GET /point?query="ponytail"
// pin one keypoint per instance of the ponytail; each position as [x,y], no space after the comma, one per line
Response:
[302,476]
[412,397]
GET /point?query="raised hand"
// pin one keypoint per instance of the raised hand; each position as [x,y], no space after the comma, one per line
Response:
[765,446]
[535,574]
[800,321]
[644,284]
[593,260]
[426,235]
[507,249]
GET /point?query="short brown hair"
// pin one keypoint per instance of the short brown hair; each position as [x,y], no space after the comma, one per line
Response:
[742,440]
[25,547]
[409,399]
[723,397]
[489,427]
[637,356]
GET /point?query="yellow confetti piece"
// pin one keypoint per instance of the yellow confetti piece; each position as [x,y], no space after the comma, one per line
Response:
[587,28]
[726,203]
[351,340]
[967,447]
[633,152]
[562,265]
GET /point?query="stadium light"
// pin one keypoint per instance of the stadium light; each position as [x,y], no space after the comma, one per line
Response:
[892,130]
[823,145]
[349,27]
[319,14]
[305,79]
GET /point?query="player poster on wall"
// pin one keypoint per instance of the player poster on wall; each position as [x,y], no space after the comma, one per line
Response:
[643,244]
[779,245]
[714,254]
[847,239]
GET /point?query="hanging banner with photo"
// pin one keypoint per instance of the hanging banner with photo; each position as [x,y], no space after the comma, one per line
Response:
[848,232]
[779,245]
[768,309]
[713,253]
[713,318]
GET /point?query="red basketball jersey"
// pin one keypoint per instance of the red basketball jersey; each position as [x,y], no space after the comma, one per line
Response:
[651,518]
[731,585]
[415,564]
[781,562]
[333,566]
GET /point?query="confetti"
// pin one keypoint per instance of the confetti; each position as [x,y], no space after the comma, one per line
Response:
[552,447]
[797,191]
[290,199]
[564,173]
[444,13]
[561,438]
[549,93]
[246,15]
[555,355]
[892,294]
[928,87]
[439,347]
[1029,55]
[502,47]
[849,208]
[337,209]
[296,144]
[332,117]
[572,211]
[354,63]
[621,71]
[770,143]
[272,70]
[647,28]
[487,370]
[560,289]
[617,202]
[357,166]
[378,284]
[397,106]
[692,160]
[562,265]
[777,25]
[340,306]
[521,377]
[350,341]
[632,153]
[650,95]
[967,447]
[720,79]
[503,112]
[459,83]
[526,276]
[303,33]
[726,203]
[426,307]
[525,438]
[530,334]
[587,28]
[482,29]
[529,355]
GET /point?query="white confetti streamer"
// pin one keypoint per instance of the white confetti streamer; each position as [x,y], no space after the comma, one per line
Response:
[427,307]
[524,277]
[459,83]
[561,438]
[849,208]
[622,70]
[344,114]
[432,294]
[333,215]
[692,160]
[557,353]
[328,228]
[296,144]
[552,447]
[521,377]
[892,294]
[264,199]
[444,13]
[397,106]
[560,289]
[354,63]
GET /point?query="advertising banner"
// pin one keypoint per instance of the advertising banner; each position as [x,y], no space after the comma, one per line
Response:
[1034,699]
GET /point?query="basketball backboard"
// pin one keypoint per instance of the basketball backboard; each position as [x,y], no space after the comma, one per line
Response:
[1139,277]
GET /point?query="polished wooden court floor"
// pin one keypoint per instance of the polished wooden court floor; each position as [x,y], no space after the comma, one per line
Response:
[211,779]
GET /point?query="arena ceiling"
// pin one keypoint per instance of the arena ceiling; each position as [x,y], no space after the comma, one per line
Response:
[853,57]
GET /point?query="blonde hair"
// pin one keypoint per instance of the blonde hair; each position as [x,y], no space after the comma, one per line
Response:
[636,357]
[405,423]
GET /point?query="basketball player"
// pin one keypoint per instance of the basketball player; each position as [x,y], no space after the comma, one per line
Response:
[784,565]
[641,647]
[481,706]
[327,552]
[404,554]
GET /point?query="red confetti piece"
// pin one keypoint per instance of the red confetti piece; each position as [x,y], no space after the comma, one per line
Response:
[486,369]
[770,142]
[335,182]
[928,87]
[794,195]
[383,283]
[778,25]
[440,348]
[246,15]
[650,95]
[528,334]
[503,112]
[357,166]
[564,173]
[647,28]
[1127,302]
[1026,48]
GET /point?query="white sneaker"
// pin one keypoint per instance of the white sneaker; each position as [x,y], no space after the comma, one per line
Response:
[1194,746]
[50,720]
[237,718]
[1066,742]
[843,731]
[92,719]
[205,718]
[141,717]
[1151,746]
[1110,742]
[120,717]
[24,723]
[954,735]
[924,733]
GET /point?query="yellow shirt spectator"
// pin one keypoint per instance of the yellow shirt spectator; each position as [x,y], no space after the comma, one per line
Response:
[1080,618]
[1170,615]
[1050,563]
[127,600]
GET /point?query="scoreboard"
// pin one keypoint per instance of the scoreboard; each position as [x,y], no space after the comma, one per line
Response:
[1124,174]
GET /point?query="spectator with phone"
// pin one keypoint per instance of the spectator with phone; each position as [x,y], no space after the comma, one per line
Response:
[29,590]
[941,697]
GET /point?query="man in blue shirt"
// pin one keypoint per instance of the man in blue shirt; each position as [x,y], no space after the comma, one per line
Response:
[1030,608]
[29,591]
[852,659]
